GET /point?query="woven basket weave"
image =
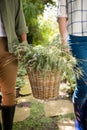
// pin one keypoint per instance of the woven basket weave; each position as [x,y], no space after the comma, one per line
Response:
[44,87]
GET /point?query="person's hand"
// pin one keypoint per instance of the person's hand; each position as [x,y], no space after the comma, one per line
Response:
[65,48]
[20,49]
[64,44]
[63,41]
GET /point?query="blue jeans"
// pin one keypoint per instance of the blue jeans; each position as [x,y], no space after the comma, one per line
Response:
[80,116]
[78,47]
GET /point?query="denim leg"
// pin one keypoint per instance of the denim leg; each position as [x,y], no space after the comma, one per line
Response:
[79,51]
[78,48]
[79,112]
[85,116]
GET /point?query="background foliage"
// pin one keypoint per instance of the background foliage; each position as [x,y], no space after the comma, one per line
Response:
[33,10]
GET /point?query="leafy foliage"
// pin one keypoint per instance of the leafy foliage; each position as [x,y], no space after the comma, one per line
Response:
[52,57]
[20,76]
[67,68]
[34,9]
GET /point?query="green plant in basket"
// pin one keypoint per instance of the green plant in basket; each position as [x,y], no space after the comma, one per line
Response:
[52,57]
[44,65]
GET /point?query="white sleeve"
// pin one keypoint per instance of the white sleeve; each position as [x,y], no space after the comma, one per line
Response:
[62,8]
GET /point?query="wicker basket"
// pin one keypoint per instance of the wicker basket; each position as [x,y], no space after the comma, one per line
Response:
[44,87]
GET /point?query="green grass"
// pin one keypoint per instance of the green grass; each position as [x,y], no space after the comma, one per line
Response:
[38,121]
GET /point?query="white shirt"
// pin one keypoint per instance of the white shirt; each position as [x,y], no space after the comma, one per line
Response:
[2,30]
[76,11]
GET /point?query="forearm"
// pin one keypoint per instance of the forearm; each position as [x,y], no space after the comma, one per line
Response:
[23,37]
[62,21]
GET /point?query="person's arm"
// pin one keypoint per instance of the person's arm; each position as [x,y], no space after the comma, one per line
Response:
[20,23]
[62,19]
